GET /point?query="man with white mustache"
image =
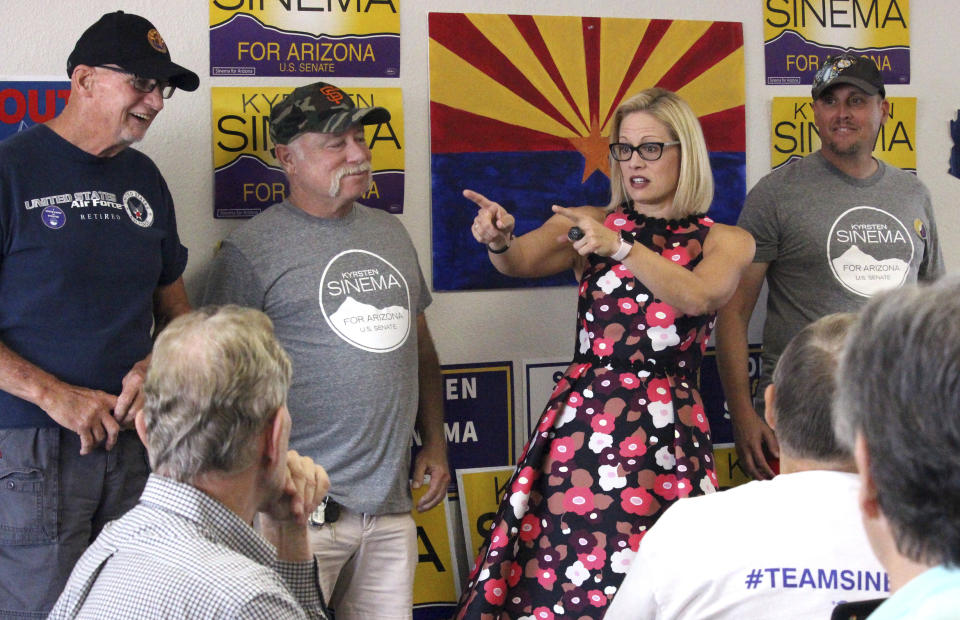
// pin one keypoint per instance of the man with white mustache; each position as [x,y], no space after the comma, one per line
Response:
[343,286]
[90,270]
[831,230]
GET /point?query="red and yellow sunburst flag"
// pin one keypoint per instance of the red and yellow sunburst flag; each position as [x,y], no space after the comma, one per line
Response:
[520,109]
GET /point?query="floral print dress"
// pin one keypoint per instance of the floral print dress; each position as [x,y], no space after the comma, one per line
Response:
[623,436]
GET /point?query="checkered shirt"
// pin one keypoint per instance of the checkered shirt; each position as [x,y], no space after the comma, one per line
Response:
[181,554]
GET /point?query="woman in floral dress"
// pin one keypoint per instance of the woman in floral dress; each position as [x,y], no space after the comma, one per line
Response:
[624,433]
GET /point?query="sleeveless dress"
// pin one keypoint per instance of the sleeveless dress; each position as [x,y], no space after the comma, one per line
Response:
[623,436]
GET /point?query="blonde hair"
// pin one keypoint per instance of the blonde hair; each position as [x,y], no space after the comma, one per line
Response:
[695,185]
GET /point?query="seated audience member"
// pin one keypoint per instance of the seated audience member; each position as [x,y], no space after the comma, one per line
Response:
[898,408]
[216,426]
[790,547]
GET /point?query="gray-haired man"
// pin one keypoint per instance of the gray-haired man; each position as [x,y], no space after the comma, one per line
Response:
[216,427]
[342,283]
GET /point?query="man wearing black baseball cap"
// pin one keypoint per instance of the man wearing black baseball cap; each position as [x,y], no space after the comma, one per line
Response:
[831,229]
[343,286]
[90,265]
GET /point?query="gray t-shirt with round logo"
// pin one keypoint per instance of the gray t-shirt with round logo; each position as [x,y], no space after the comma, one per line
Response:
[344,296]
[832,241]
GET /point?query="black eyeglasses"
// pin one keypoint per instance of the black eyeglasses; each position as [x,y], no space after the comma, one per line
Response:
[648,151]
[145,85]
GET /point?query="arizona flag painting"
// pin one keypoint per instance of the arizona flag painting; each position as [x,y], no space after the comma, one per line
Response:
[520,111]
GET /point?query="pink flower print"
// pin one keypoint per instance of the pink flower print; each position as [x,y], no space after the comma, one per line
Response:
[495,591]
[629,380]
[577,573]
[631,446]
[546,578]
[621,271]
[603,347]
[706,221]
[602,423]
[678,255]
[543,613]
[666,486]
[529,528]
[514,575]
[683,487]
[524,481]
[578,370]
[660,314]
[596,598]
[619,221]
[578,500]
[547,419]
[594,559]
[498,538]
[663,337]
[562,449]
[575,399]
[561,386]
[700,418]
[658,390]
[634,540]
[662,414]
[636,501]
[610,478]
[627,305]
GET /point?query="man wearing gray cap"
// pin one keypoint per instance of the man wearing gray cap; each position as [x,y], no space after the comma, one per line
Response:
[831,230]
[90,267]
[342,284]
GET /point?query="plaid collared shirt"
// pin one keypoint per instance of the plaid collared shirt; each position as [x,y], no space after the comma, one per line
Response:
[181,554]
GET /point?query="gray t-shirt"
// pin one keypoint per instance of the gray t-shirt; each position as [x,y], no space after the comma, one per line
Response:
[344,295]
[832,241]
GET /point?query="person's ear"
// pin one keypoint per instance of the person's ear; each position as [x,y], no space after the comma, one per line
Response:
[140,423]
[273,438]
[869,504]
[769,406]
[82,80]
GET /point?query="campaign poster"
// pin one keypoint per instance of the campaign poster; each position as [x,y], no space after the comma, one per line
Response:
[247,178]
[794,135]
[799,35]
[305,38]
[478,415]
[436,581]
[25,103]
[481,489]
[521,108]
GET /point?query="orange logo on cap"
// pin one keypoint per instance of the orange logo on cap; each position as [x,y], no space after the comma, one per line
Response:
[156,41]
[332,93]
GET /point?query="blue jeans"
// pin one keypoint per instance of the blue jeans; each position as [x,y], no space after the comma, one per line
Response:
[53,503]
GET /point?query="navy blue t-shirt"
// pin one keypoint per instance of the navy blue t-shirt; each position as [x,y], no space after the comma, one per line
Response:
[84,243]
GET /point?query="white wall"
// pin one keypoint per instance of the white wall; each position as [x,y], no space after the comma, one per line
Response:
[38,35]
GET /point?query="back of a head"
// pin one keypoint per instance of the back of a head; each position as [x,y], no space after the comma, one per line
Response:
[900,389]
[805,383]
[217,376]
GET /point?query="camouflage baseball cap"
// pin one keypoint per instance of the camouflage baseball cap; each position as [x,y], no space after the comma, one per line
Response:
[319,107]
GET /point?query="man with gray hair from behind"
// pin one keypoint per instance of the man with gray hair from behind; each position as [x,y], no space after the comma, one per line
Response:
[898,407]
[216,426]
[790,547]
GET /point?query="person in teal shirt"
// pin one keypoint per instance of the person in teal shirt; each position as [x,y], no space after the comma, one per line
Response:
[898,406]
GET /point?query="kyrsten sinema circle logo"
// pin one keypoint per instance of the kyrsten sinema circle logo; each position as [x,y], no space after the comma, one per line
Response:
[366,301]
[138,209]
[870,250]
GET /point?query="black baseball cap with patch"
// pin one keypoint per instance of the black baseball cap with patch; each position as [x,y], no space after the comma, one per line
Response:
[851,69]
[319,107]
[132,43]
